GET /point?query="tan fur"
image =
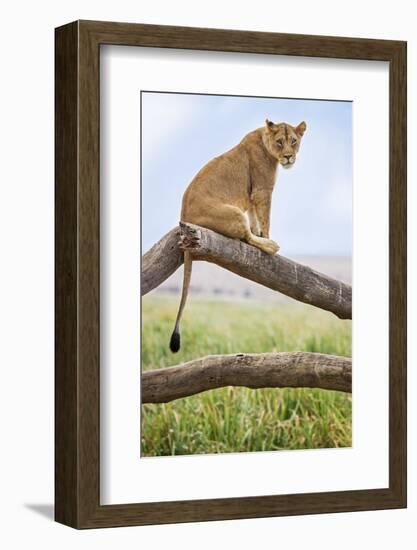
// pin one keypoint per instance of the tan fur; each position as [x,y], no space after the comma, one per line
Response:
[232,193]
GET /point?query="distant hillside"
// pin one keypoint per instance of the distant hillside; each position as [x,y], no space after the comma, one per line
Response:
[211,280]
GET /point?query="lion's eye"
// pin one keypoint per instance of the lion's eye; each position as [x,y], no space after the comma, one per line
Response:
[293,142]
[279,143]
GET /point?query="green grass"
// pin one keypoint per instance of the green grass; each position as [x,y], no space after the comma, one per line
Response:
[239,419]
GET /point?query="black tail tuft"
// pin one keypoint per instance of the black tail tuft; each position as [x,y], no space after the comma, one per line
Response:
[175,342]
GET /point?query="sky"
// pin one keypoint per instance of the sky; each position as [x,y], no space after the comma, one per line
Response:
[312,202]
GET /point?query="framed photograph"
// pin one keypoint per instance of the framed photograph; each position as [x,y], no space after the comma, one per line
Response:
[230,274]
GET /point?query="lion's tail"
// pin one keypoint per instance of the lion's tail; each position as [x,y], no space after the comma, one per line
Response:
[175,341]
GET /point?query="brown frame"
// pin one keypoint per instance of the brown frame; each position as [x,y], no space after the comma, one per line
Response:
[77,361]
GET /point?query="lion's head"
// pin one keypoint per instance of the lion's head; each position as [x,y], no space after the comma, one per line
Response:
[283,141]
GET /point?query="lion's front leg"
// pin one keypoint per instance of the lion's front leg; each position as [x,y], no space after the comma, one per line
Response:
[262,204]
[253,221]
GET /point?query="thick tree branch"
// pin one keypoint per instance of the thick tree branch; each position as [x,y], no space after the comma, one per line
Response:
[161,261]
[263,370]
[277,272]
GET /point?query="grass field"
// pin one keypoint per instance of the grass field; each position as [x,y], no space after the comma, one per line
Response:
[240,419]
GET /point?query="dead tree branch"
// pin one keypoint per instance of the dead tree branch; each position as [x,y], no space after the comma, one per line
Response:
[261,370]
[161,261]
[276,272]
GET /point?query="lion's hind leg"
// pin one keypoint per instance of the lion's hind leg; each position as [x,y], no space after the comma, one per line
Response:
[231,221]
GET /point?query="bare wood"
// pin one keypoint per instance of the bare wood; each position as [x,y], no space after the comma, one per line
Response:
[277,272]
[161,261]
[255,370]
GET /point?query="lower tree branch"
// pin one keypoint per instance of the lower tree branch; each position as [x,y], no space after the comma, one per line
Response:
[264,370]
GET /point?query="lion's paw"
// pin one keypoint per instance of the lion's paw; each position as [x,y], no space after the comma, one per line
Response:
[270,247]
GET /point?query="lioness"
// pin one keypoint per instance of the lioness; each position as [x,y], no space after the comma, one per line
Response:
[232,193]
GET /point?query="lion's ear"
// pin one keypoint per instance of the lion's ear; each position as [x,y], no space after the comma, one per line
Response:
[268,124]
[301,128]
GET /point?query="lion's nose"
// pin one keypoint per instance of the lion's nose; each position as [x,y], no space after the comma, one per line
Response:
[288,157]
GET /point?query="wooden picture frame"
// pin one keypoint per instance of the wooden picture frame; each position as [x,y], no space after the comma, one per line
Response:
[77,372]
